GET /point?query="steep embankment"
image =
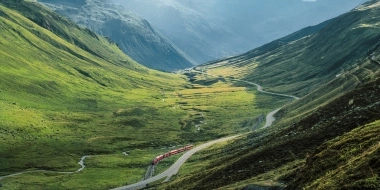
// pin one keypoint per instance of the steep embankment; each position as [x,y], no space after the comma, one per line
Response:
[301,62]
[134,35]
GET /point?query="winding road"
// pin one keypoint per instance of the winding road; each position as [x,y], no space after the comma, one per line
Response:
[175,167]
[259,88]
[270,118]
[81,163]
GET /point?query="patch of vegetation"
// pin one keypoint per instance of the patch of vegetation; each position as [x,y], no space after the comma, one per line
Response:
[351,161]
[260,156]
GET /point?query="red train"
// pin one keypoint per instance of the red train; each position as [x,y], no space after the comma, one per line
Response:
[173,152]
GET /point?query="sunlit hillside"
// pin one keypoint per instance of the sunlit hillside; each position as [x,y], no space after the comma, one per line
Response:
[68,95]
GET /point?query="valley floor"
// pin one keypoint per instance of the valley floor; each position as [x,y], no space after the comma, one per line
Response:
[198,112]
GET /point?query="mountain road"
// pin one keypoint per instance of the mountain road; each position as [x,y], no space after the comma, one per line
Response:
[81,163]
[175,167]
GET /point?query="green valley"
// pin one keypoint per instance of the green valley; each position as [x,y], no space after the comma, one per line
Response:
[78,113]
[66,92]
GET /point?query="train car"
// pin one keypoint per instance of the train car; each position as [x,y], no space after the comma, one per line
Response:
[157,159]
[173,152]
[189,147]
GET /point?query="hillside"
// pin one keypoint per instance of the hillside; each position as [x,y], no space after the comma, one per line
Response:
[59,87]
[326,140]
[300,66]
[334,148]
[134,35]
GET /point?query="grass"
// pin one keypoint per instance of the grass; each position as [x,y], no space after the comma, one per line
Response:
[323,141]
[350,161]
[66,92]
[306,154]
[326,140]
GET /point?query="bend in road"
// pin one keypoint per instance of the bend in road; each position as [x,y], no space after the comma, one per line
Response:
[81,163]
[270,118]
[259,88]
[175,167]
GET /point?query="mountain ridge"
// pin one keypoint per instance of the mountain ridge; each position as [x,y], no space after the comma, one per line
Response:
[295,66]
[134,35]
[220,28]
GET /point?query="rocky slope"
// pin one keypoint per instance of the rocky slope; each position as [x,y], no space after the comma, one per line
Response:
[133,35]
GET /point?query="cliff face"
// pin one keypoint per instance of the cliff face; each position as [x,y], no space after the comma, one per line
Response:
[134,35]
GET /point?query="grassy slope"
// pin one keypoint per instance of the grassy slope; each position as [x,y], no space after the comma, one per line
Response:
[300,66]
[324,115]
[350,161]
[65,93]
[56,97]
[264,161]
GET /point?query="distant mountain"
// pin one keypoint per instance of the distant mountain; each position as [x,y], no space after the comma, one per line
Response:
[300,62]
[199,36]
[134,35]
[212,29]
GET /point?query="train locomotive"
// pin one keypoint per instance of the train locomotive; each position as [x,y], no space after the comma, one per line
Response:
[173,152]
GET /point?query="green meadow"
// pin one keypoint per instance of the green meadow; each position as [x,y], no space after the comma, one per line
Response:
[66,92]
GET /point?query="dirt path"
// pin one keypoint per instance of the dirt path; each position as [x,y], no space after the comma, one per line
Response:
[81,163]
[259,88]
